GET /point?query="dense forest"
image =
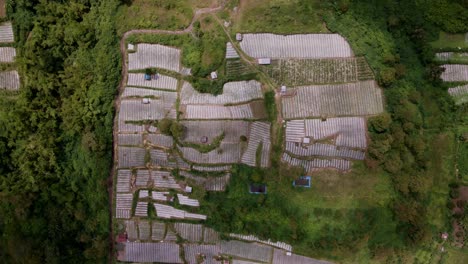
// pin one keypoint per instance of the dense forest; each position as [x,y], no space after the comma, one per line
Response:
[56,135]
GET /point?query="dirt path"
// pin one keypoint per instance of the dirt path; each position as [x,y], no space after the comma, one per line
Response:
[123,53]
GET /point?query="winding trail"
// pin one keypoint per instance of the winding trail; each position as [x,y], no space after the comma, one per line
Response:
[123,53]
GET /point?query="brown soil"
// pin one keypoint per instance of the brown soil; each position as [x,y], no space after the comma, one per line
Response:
[2,8]
[458,241]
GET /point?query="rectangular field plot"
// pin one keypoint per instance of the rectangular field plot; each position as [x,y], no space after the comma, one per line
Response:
[7,54]
[454,57]
[233,130]
[131,229]
[130,139]
[455,73]
[6,33]
[160,140]
[361,98]
[210,236]
[151,252]
[233,93]
[185,200]
[135,110]
[236,67]
[154,56]
[459,94]
[231,53]
[9,80]
[226,153]
[317,164]
[162,82]
[164,180]
[244,111]
[218,183]
[344,131]
[192,253]
[251,251]
[267,45]
[190,232]
[169,212]
[123,180]
[131,157]
[123,205]
[295,72]
[212,168]
[144,230]
[141,209]
[326,150]
[166,97]
[128,127]
[280,257]
[158,230]
[259,134]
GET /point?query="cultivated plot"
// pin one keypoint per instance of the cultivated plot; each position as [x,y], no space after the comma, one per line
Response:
[267,45]
[455,73]
[154,56]
[360,98]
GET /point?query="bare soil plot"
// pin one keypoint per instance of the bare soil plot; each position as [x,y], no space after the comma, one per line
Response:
[361,98]
[2,8]
[266,45]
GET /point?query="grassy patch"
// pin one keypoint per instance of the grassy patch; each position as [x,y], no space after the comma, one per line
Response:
[296,16]
[450,41]
[270,106]
[338,211]
[149,14]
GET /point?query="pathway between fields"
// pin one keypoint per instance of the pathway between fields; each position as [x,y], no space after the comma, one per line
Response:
[123,52]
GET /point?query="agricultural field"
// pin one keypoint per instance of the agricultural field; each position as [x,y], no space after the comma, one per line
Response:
[455,73]
[9,77]
[178,144]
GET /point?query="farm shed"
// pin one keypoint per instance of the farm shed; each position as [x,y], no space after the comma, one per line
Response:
[214,75]
[303,181]
[258,188]
[239,37]
[264,61]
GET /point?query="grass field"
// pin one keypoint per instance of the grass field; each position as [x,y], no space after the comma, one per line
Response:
[279,16]
[451,41]
[149,14]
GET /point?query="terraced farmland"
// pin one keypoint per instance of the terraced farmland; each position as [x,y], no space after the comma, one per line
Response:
[156,173]
[361,98]
[265,45]
[6,33]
